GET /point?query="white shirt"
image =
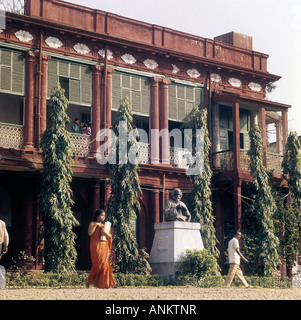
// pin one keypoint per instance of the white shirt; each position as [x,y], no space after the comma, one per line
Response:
[232,253]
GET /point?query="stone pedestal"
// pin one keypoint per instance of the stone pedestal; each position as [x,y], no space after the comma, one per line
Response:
[170,243]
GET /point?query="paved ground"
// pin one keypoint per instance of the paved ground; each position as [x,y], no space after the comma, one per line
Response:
[151,294]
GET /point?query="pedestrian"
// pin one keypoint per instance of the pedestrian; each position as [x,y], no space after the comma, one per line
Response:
[76,126]
[234,256]
[4,238]
[101,273]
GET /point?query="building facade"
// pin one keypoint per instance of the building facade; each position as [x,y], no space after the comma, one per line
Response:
[99,58]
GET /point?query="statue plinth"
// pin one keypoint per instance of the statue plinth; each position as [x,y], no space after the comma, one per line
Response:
[170,243]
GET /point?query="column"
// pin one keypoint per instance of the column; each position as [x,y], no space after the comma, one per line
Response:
[28,135]
[237,204]
[262,124]
[154,132]
[216,145]
[43,123]
[95,186]
[155,212]
[27,219]
[284,127]
[236,135]
[96,77]
[163,121]
[279,144]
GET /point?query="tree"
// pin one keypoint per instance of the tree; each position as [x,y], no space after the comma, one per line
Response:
[264,205]
[123,204]
[200,202]
[56,194]
[290,216]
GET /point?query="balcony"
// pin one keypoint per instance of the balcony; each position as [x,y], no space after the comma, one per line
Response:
[224,161]
[11,136]
[81,143]
[177,155]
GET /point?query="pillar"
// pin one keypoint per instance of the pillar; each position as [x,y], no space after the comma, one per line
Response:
[163,121]
[237,204]
[154,132]
[95,196]
[262,123]
[284,127]
[43,119]
[28,135]
[96,77]
[236,135]
[155,212]
[279,141]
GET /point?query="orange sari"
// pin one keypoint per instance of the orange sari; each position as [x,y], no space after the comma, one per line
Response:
[101,273]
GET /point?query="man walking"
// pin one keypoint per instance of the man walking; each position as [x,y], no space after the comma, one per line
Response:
[234,255]
[4,238]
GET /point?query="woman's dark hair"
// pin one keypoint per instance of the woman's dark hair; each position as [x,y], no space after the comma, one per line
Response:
[97,214]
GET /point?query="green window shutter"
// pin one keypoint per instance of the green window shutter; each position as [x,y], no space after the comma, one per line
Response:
[64,69]
[189,93]
[116,90]
[86,90]
[146,96]
[172,102]
[5,57]
[198,97]
[75,70]
[136,101]
[181,109]
[5,78]
[126,81]
[18,73]
[52,76]
[74,91]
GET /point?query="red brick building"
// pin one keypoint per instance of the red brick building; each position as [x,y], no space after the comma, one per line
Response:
[99,58]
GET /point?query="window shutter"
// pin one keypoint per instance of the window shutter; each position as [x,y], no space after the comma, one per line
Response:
[18,73]
[74,91]
[172,102]
[6,57]
[86,85]
[146,96]
[136,101]
[181,110]
[5,78]
[75,69]
[198,97]
[52,76]
[63,69]
[116,90]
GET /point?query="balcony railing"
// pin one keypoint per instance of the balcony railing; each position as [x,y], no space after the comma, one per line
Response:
[178,156]
[11,136]
[274,161]
[81,143]
[224,161]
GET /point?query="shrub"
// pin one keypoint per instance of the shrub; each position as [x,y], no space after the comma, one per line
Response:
[198,263]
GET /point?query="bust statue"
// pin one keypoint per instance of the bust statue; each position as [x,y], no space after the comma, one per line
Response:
[175,209]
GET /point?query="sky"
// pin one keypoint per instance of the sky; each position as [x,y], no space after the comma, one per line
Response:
[274,25]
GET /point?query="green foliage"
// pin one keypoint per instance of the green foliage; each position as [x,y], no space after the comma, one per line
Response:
[123,204]
[56,194]
[199,202]
[292,167]
[198,263]
[264,206]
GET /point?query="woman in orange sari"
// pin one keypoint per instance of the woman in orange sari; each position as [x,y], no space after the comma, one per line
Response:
[101,273]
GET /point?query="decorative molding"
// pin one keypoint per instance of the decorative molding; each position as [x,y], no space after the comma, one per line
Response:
[215,77]
[175,69]
[53,42]
[150,64]
[24,36]
[193,73]
[235,82]
[81,48]
[1,30]
[128,58]
[255,86]
[102,53]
